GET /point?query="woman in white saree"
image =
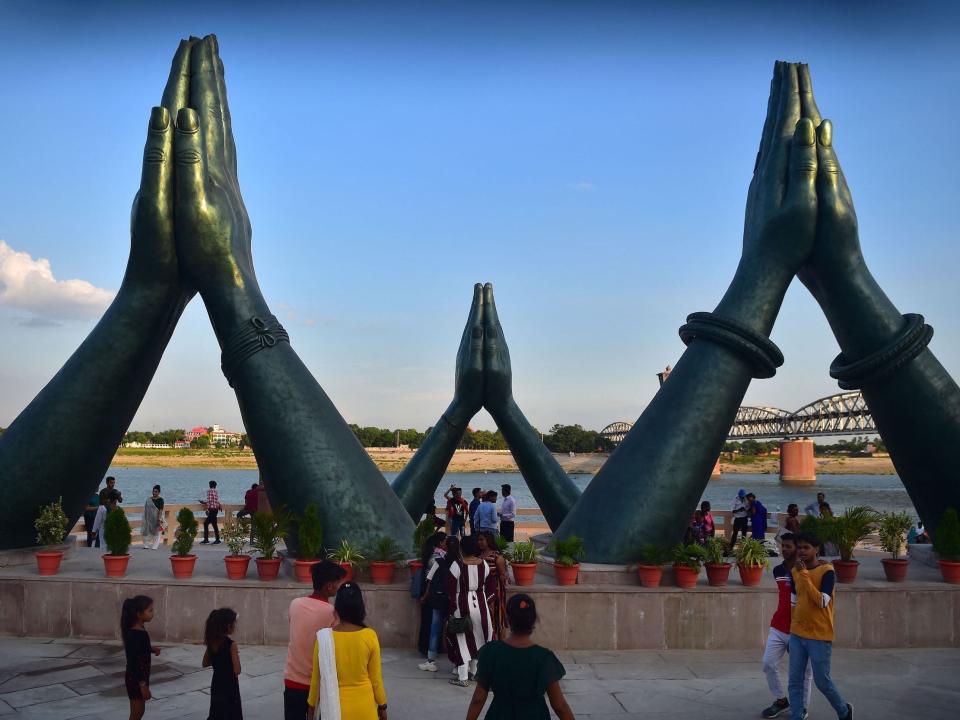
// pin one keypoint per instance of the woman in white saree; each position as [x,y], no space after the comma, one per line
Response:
[151,526]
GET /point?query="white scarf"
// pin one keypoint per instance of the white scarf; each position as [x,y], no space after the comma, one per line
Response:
[329,702]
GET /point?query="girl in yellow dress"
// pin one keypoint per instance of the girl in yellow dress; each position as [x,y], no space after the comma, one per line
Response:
[346,681]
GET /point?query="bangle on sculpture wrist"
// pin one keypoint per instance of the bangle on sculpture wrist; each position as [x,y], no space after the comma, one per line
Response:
[251,337]
[763,356]
[912,340]
[453,425]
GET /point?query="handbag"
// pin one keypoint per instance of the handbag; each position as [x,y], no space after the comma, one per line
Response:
[459,625]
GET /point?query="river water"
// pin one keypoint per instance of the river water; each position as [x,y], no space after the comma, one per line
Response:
[881,492]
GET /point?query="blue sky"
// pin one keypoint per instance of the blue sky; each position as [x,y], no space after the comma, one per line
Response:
[589,159]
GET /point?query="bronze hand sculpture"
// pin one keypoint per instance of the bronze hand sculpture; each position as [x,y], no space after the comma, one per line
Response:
[84,411]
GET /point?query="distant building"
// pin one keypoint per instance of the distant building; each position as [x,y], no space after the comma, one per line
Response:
[217,434]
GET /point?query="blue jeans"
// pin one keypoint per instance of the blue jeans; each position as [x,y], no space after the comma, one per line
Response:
[818,653]
[457,526]
[436,631]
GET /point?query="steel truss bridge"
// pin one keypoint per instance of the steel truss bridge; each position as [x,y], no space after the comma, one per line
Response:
[842,414]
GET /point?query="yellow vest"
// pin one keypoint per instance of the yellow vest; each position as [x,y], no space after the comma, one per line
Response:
[810,619]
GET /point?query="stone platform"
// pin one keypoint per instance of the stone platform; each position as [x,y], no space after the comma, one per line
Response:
[81,603]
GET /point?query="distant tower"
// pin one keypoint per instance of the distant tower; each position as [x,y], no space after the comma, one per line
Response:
[662,376]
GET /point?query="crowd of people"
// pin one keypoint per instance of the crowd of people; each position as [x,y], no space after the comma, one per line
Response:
[481,514]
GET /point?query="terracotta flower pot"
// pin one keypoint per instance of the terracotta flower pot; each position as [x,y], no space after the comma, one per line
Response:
[718,573]
[750,575]
[347,568]
[237,566]
[303,570]
[566,574]
[183,566]
[381,573]
[48,563]
[846,570]
[268,568]
[415,566]
[685,577]
[895,570]
[115,565]
[950,571]
[650,575]
[523,573]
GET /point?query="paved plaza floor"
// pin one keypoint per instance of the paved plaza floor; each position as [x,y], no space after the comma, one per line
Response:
[52,679]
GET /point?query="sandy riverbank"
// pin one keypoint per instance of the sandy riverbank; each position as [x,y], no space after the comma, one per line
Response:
[471,461]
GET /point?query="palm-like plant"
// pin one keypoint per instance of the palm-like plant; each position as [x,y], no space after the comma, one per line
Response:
[893,532]
[846,530]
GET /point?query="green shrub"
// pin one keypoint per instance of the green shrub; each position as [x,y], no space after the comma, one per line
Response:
[268,527]
[386,549]
[185,533]
[691,555]
[116,532]
[309,534]
[752,553]
[567,551]
[716,550]
[893,532]
[52,524]
[946,540]
[524,553]
[656,555]
[347,553]
[235,534]
[423,530]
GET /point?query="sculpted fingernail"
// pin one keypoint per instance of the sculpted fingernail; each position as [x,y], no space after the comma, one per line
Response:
[159,119]
[806,135]
[187,121]
[826,133]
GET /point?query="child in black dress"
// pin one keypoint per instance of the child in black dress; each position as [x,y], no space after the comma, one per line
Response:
[222,654]
[136,645]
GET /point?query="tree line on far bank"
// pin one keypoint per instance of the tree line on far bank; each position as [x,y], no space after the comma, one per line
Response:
[853,446]
[560,439]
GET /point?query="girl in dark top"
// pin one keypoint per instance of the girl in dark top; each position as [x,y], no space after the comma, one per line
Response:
[518,672]
[223,655]
[136,645]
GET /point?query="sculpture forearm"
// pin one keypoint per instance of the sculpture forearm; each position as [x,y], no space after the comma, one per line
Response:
[64,440]
[551,487]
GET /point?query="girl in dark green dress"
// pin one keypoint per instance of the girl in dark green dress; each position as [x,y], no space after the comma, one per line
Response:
[519,672]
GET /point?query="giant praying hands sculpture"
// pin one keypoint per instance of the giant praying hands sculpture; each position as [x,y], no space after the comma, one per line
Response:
[190,232]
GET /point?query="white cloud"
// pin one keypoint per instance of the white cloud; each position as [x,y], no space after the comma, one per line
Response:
[581,185]
[29,284]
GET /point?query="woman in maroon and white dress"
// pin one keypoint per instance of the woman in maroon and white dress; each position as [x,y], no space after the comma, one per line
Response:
[469,584]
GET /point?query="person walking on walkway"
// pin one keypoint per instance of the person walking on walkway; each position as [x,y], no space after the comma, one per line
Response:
[308,615]
[347,679]
[223,655]
[151,528]
[740,510]
[212,506]
[507,513]
[134,614]
[778,637]
[497,566]
[811,629]
[111,484]
[469,625]
[519,672]
[438,554]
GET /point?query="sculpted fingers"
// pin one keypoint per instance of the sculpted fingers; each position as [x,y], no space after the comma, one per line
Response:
[157,174]
[188,153]
[205,99]
[787,117]
[177,92]
[773,107]
[808,104]
[802,188]
[475,329]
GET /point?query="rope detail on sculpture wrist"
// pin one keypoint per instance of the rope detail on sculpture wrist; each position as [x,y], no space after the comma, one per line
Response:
[763,356]
[912,340]
[251,337]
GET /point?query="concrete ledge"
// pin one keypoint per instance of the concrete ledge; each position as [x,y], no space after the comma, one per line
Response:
[81,603]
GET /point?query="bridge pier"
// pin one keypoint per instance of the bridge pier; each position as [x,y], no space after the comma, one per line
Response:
[797,466]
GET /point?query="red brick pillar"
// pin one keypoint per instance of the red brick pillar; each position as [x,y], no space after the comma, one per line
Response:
[797,466]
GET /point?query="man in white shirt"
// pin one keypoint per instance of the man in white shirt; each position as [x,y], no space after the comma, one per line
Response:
[741,511]
[813,509]
[507,513]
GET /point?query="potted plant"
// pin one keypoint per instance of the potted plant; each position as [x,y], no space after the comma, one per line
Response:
[523,560]
[652,560]
[268,527]
[687,561]
[946,543]
[347,557]
[566,555]
[182,560]
[383,560]
[718,569]
[52,525]
[893,537]
[235,536]
[309,544]
[116,533]
[752,559]
[424,529]
[845,531]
